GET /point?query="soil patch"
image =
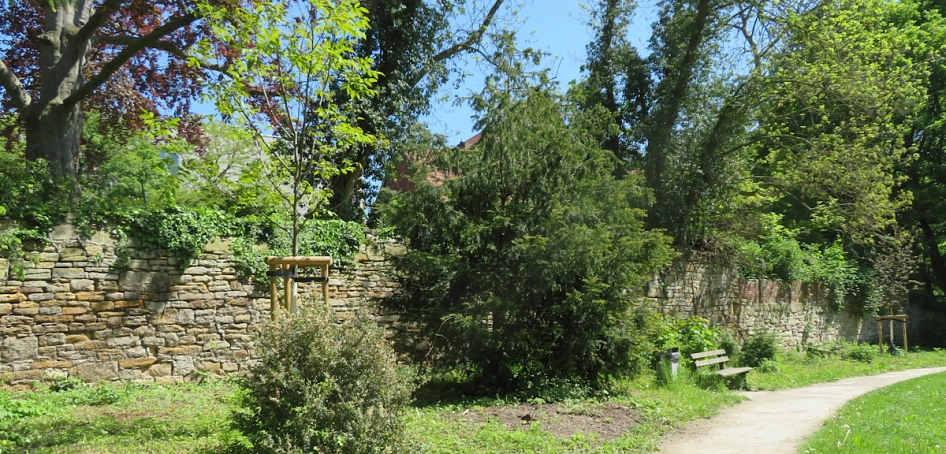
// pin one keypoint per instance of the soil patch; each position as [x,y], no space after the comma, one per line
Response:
[608,420]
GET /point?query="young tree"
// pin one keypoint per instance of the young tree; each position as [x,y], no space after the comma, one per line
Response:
[524,255]
[295,59]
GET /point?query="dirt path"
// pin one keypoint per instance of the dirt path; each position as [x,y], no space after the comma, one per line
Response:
[774,422]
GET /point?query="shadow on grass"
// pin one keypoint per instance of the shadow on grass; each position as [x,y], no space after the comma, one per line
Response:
[63,431]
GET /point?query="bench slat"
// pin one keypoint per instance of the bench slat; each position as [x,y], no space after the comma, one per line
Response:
[705,354]
[733,371]
[707,362]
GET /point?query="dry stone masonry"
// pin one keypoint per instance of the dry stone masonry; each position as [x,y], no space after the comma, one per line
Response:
[74,313]
[797,313]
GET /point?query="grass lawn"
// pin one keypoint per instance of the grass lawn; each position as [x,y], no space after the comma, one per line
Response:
[192,418]
[907,417]
[797,370]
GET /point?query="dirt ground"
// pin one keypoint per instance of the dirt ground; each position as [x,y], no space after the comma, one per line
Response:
[608,420]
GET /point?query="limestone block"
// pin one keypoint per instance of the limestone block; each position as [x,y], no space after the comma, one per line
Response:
[74,338]
[101,238]
[197,270]
[183,365]
[96,371]
[209,366]
[15,349]
[68,273]
[139,265]
[395,249]
[35,274]
[184,317]
[63,232]
[90,345]
[12,298]
[72,254]
[144,281]
[122,342]
[82,285]
[52,364]
[180,351]
[137,362]
[53,339]
[219,246]
[4,269]
[74,310]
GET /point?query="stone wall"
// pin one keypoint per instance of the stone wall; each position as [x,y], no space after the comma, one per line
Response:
[798,313]
[74,313]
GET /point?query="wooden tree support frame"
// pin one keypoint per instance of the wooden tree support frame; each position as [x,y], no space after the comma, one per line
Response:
[285,268]
[880,330]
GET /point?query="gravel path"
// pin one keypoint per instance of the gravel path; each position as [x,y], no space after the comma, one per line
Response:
[774,422]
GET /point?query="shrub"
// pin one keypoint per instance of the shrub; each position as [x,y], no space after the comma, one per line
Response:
[66,383]
[519,263]
[759,347]
[691,335]
[323,387]
[859,352]
[729,343]
[768,366]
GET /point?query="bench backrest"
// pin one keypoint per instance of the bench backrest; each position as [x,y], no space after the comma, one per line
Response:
[715,357]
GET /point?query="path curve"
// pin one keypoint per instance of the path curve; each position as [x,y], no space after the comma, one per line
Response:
[775,422]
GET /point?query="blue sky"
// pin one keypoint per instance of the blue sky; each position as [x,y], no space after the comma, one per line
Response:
[558,27]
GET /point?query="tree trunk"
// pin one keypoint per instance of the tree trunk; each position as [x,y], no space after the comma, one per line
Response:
[54,122]
[53,134]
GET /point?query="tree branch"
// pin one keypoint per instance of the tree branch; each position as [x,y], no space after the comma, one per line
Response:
[98,19]
[464,45]
[167,46]
[126,54]
[9,81]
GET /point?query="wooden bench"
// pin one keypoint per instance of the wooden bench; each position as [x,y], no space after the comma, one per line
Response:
[719,357]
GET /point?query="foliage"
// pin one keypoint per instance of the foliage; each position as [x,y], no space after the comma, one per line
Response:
[729,342]
[534,200]
[691,335]
[769,366]
[227,175]
[182,231]
[66,383]
[298,64]
[859,352]
[12,411]
[323,386]
[134,172]
[332,237]
[29,195]
[758,348]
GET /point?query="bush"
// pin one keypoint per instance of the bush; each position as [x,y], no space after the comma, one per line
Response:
[323,387]
[759,347]
[729,343]
[859,352]
[691,335]
[518,269]
[768,366]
